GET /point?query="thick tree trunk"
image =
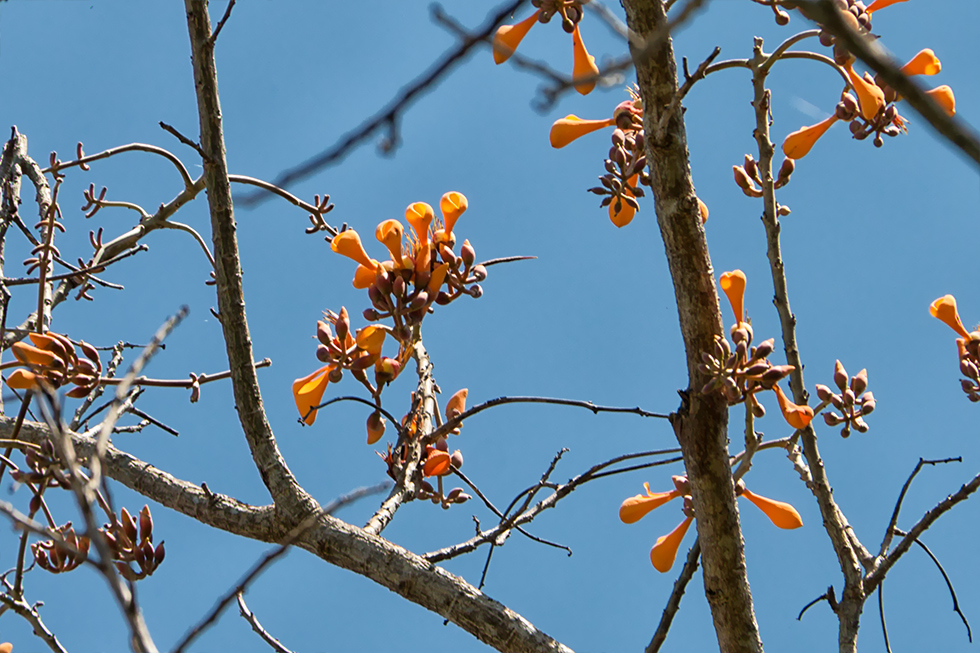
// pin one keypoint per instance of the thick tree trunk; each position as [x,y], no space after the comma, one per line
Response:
[701,421]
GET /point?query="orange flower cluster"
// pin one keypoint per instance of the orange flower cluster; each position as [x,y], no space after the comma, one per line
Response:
[53,361]
[664,551]
[871,108]
[508,37]
[422,271]
[741,374]
[853,401]
[967,345]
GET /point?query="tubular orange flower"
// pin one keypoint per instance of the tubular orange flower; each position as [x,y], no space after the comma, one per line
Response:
[943,95]
[584,66]
[364,277]
[944,309]
[796,416]
[508,37]
[797,145]
[571,127]
[664,552]
[389,233]
[348,243]
[636,507]
[924,63]
[30,355]
[420,216]
[871,98]
[437,463]
[452,205]
[881,4]
[733,284]
[779,513]
[308,391]
[21,379]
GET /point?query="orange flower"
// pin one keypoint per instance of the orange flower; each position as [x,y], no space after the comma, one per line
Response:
[664,552]
[779,513]
[924,63]
[943,95]
[348,243]
[733,284]
[871,98]
[390,233]
[420,215]
[308,391]
[797,145]
[21,379]
[636,507]
[626,211]
[375,427]
[881,4]
[703,209]
[584,66]
[452,205]
[796,416]
[571,127]
[944,309]
[437,462]
[508,37]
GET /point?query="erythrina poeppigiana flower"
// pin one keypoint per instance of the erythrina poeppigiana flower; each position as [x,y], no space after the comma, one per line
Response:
[508,37]
[967,345]
[740,374]
[871,109]
[664,551]
[53,361]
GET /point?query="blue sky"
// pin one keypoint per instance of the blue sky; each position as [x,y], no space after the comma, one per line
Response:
[874,236]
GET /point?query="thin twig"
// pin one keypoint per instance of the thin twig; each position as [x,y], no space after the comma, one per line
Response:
[890,531]
[881,616]
[271,557]
[949,586]
[254,621]
[390,113]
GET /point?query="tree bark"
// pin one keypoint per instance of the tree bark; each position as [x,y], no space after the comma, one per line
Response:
[701,421]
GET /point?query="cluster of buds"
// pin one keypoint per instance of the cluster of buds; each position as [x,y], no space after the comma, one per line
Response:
[64,556]
[342,350]
[741,373]
[747,176]
[852,401]
[508,37]
[52,362]
[43,469]
[438,462]
[744,372]
[967,345]
[871,109]
[130,546]
[423,271]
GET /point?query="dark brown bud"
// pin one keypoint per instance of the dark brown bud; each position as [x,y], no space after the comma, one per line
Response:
[342,325]
[335,375]
[146,524]
[322,353]
[765,348]
[398,287]
[371,315]
[323,332]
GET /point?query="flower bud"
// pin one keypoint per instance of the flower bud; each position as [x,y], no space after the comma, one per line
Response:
[840,376]
[342,325]
[479,273]
[335,375]
[832,419]
[457,459]
[681,484]
[859,383]
[375,427]
[867,403]
[824,393]
[860,425]
[476,291]
[323,332]
[765,348]
[398,287]
[442,445]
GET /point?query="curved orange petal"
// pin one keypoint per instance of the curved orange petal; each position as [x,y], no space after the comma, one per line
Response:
[371,338]
[870,96]
[733,285]
[664,552]
[924,63]
[635,508]
[571,127]
[452,205]
[308,391]
[943,95]
[508,37]
[21,379]
[624,216]
[437,279]
[797,145]
[420,216]
[796,416]
[389,233]
[375,428]
[584,66]
[881,4]
[364,277]
[31,355]
[457,403]
[779,513]
[348,243]
[437,463]
[944,309]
